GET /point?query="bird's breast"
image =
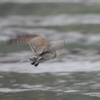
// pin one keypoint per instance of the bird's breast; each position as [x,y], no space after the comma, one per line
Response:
[48,56]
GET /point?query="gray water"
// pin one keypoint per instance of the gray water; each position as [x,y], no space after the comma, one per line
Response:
[70,76]
[56,81]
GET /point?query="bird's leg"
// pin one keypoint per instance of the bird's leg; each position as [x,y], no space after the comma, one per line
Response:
[33,60]
[36,62]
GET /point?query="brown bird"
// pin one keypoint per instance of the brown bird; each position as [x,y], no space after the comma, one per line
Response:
[39,46]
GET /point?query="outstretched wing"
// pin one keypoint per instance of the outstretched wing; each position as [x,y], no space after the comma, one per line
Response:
[36,42]
[54,46]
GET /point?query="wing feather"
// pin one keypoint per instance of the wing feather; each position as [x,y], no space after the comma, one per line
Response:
[55,46]
[36,42]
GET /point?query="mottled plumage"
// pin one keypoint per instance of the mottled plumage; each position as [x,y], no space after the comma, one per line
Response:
[39,46]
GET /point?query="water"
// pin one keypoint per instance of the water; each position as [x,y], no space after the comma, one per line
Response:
[50,1]
[36,84]
[70,77]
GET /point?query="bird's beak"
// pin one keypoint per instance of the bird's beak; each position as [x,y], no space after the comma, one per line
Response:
[59,53]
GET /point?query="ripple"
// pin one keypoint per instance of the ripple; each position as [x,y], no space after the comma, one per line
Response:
[49,1]
[57,20]
[54,67]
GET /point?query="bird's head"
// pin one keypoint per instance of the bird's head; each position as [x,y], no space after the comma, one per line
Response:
[58,53]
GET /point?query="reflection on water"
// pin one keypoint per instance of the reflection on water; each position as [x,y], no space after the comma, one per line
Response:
[50,86]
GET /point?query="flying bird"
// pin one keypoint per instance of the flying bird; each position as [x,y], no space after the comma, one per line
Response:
[39,46]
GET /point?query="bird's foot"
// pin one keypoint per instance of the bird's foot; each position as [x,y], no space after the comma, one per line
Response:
[36,64]
[32,63]
[32,60]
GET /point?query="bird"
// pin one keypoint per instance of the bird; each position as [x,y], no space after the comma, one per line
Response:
[38,43]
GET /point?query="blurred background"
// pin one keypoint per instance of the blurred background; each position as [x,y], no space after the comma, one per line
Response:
[75,74]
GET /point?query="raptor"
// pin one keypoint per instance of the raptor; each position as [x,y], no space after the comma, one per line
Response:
[39,46]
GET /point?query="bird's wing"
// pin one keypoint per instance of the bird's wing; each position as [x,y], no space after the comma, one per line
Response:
[55,46]
[36,42]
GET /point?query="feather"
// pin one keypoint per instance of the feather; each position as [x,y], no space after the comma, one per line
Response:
[36,42]
[54,46]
